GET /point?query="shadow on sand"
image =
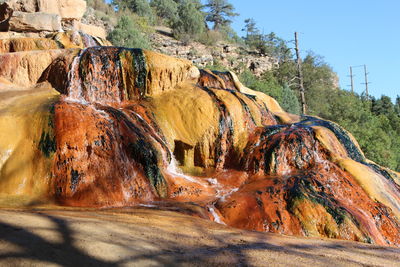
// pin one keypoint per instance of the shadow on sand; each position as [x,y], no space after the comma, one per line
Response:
[147,244]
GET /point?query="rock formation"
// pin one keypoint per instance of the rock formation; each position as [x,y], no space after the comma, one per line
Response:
[231,56]
[45,16]
[92,126]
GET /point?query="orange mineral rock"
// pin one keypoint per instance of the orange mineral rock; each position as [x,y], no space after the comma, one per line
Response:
[112,126]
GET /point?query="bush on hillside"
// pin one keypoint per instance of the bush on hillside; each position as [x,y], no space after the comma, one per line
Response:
[167,10]
[190,23]
[126,34]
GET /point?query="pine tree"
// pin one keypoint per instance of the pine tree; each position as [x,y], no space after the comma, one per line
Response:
[250,28]
[253,37]
[219,13]
[397,105]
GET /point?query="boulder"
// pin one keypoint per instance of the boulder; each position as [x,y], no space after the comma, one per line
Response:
[72,9]
[47,6]
[34,22]
[90,29]
[23,5]
[5,11]
[67,9]
[25,68]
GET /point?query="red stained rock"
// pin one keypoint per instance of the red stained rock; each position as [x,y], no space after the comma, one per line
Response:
[118,143]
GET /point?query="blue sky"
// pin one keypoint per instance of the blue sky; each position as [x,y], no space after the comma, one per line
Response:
[345,33]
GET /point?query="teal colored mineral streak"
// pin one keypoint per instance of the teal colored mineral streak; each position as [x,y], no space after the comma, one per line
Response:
[47,144]
[225,124]
[140,68]
[143,152]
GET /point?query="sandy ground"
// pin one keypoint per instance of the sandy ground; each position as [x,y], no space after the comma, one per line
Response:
[144,237]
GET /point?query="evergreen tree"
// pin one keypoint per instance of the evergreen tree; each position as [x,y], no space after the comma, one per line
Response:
[250,28]
[253,37]
[276,47]
[383,105]
[269,44]
[219,13]
[126,34]
[290,102]
[397,105]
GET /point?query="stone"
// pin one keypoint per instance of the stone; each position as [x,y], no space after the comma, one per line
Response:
[25,68]
[90,29]
[13,35]
[72,9]
[48,6]
[67,9]
[34,22]
[5,11]
[227,49]
[27,44]
[23,5]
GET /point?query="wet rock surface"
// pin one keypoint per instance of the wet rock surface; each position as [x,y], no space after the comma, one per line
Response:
[98,126]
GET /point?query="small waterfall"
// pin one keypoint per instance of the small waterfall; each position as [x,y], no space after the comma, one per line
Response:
[222,193]
[225,135]
[168,156]
[109,75]
[217,218]
[88,41]
[174,170]
[227,78]
[75,83]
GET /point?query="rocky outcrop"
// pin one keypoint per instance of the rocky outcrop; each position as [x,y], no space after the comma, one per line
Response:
[26,44]
[45,16]
[132,74]
[34,22]
[25,68]
[72,9]
[90,29]
[24,60]
[230,56]
[66,9]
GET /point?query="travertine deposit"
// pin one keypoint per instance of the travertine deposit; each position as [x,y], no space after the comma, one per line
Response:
[87,125]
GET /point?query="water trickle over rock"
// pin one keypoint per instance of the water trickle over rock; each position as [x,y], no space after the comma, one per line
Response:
[136,127]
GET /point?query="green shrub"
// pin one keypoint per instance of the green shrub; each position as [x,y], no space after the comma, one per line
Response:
[190,23]
[166,10]
[126,34]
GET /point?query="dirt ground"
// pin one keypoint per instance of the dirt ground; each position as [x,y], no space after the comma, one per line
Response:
[146,237]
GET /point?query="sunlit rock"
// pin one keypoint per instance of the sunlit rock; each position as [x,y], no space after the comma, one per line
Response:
[116,127]
[34,22]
